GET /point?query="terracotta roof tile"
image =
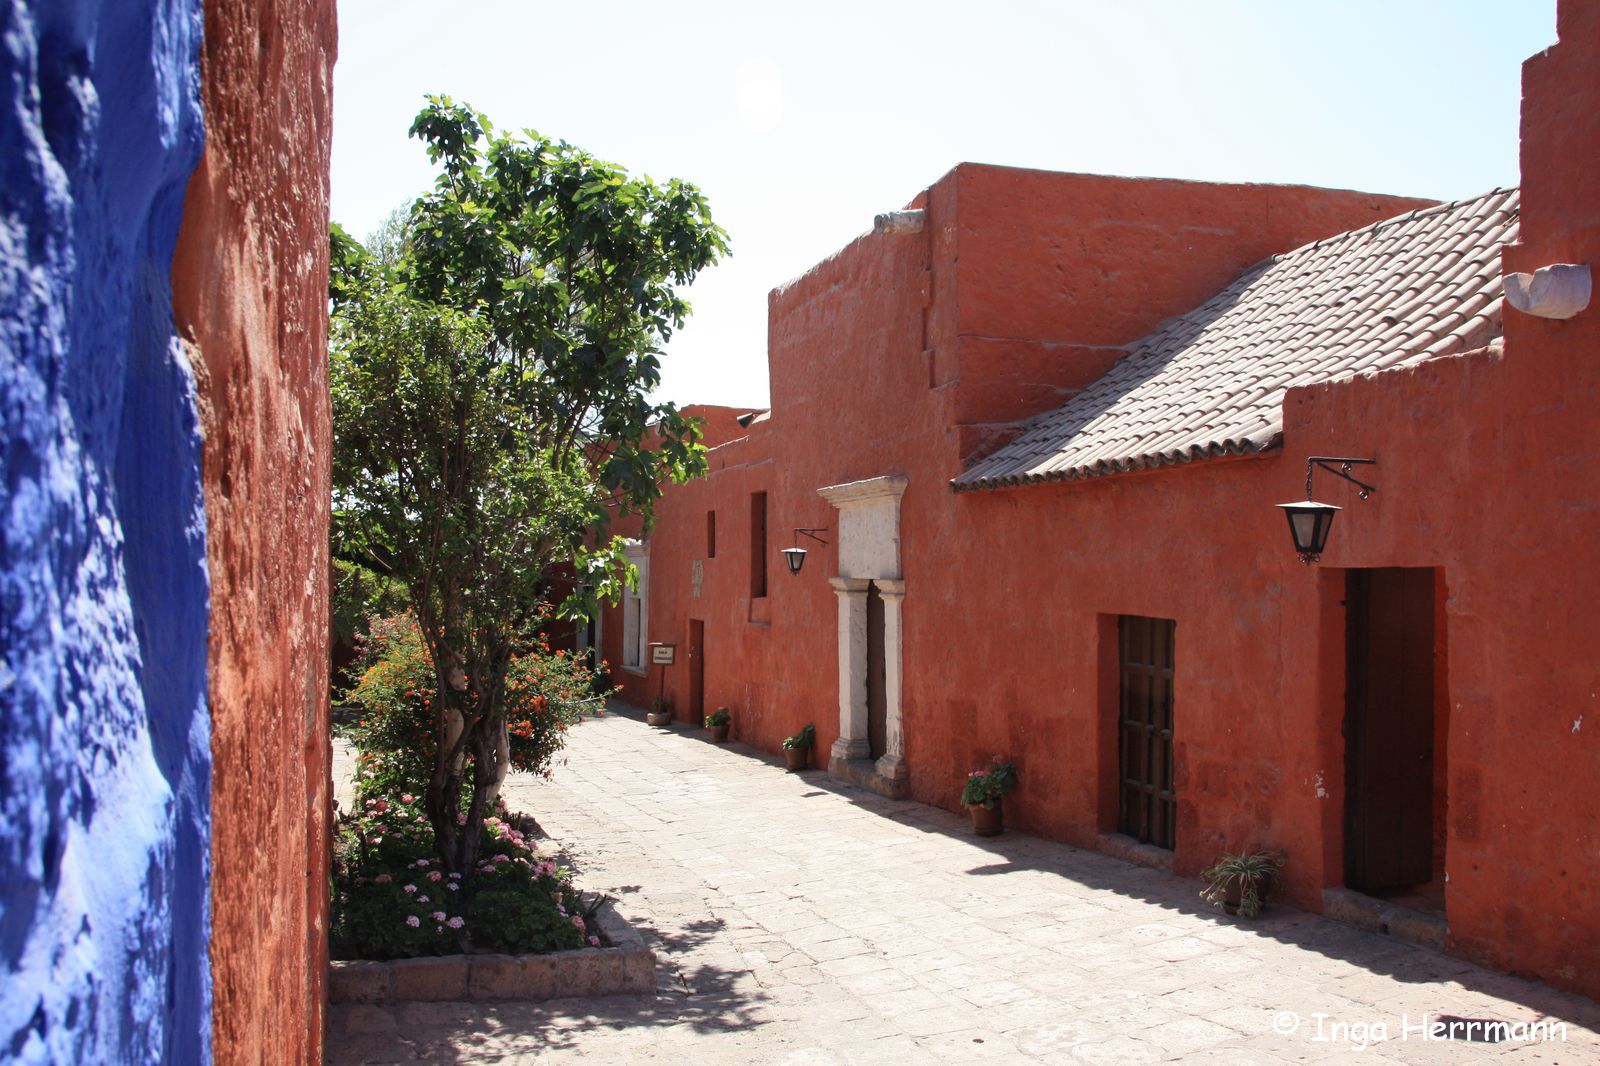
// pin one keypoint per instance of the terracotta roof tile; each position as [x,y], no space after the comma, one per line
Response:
[1211,382]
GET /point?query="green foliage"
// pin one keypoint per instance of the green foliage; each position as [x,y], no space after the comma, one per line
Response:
[398,696]
[491,359]
[985,787]
[803,739]
[720,716]
[361,595]
[1250,875]
[393,899]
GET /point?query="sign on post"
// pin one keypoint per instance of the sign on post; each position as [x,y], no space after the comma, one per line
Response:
[663,654]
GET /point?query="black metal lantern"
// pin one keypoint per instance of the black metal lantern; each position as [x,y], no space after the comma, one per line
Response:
[1310,521]
[795,557]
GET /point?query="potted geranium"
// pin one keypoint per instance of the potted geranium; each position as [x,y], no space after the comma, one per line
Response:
[1239,884]
[717,722]
[797,749]
[660,712]
[982,794]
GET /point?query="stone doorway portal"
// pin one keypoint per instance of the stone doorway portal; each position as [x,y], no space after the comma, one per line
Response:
[870,750]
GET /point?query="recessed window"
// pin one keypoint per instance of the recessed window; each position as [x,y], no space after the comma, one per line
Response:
[711,534]
[758,545]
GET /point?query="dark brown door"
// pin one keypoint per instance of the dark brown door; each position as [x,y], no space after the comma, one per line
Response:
[697,669]
[1389,729]
[1147,808]
[877,701]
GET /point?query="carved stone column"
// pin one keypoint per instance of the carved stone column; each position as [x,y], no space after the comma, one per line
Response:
[892,765]
[852,742]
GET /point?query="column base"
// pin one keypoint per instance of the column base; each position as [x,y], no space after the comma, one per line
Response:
[865,773]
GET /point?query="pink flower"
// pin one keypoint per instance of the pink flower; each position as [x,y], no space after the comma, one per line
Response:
[410,889]
[408,798]
[461,819]
[382,806]
[577,922]
[438,916]
[412,921]
[501,858]
[455,877]
[436,876]
[383,879]
[377,840]
[422,899]
[594,941]
[422,862]
[455,923]
[452,886]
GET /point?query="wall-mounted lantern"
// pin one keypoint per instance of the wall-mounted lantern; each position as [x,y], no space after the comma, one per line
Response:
[1309,521]
[796,557]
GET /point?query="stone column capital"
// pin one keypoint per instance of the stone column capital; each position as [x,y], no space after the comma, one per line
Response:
[890,588]
[850,586]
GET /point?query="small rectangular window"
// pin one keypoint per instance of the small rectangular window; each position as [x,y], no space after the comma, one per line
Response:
[711,534]
[758,545]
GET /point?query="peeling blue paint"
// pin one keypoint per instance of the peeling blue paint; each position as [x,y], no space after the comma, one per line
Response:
[105,756]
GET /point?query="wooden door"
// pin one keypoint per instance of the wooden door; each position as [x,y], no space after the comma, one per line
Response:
[877,698]
[1147,805]
[697,670]
[1389,728]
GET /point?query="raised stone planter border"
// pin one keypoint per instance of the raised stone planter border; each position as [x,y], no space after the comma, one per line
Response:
[627,967]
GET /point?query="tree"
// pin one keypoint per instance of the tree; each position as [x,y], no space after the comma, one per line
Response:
[491,367]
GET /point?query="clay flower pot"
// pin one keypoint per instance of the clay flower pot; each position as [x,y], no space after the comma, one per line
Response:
[719,733]
[988,821]
[797,758]
[658,718]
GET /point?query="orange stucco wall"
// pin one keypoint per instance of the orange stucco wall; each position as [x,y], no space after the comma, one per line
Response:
[250,286]
[909,354]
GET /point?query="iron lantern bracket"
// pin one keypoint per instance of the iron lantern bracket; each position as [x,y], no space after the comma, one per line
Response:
[812,533]
[1341,470]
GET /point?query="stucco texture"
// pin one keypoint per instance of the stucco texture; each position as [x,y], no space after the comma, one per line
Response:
[104,752]
[250,284]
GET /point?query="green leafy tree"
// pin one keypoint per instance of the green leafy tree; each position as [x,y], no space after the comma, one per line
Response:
[492,360]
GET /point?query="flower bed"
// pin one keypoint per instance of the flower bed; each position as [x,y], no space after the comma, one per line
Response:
[625,966]
[392,900]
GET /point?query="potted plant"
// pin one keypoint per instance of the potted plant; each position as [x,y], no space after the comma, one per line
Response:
[982,794]
[1239,884]
[797,749]
[660,712]
[717,722]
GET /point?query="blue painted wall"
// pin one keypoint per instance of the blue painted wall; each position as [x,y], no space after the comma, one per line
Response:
[104,738]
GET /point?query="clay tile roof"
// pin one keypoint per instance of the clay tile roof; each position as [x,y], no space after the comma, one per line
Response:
[1211,382]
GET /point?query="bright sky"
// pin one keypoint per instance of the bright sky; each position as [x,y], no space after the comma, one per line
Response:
[802,121]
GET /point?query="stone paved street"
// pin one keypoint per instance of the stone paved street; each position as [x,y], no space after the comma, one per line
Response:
[799,921]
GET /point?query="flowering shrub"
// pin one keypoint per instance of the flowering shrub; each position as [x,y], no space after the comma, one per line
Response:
[398,696]
[985,787]
[392,900]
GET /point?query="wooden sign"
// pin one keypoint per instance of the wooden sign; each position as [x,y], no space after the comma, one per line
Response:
[663,654]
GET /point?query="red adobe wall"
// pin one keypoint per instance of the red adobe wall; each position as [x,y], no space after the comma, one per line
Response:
[250,292]
[877,355]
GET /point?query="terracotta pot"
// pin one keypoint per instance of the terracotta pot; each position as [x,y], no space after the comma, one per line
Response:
[797,758]
[719,733]
[659,718]
[988,821]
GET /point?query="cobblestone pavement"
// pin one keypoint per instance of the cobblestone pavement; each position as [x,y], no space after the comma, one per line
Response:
[800,921]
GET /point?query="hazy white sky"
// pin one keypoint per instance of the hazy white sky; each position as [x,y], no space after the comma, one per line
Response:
[801,121]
